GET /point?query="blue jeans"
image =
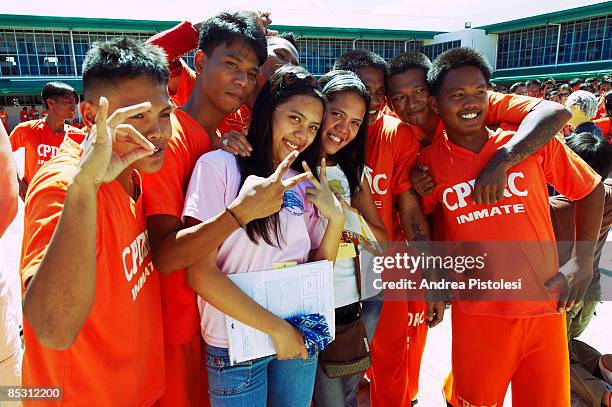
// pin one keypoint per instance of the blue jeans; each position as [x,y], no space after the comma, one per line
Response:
[342,391]
[260,382]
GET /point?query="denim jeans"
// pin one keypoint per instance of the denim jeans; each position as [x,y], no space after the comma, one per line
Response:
[342,391]
[260,382]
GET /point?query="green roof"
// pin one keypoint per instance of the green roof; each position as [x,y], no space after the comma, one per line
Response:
[108,24]
[353,33]
[576,13]
[32,87]
[566,71]
[102,24]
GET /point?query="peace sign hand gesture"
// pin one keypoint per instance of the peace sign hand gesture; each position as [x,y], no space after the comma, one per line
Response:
[322,195]
[99,163]
[262,197]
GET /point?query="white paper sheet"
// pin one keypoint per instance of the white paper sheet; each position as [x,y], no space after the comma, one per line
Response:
[298,290]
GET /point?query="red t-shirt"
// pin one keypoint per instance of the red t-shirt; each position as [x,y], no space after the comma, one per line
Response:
[605,124]
[40,143]
[117,358]
[23,116]
[391,151]
[164,194]
[522,216]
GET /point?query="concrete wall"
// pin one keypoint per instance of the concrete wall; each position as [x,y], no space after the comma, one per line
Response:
[474,38]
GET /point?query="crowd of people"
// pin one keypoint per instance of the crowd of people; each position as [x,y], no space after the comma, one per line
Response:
[184,176]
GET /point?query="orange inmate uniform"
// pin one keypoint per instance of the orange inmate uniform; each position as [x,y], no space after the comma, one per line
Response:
[40,143]
[164,195]
[391,151]
[502,108]
[498,342]
[115,360]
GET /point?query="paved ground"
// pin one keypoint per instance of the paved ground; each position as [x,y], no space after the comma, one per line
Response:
[436,361]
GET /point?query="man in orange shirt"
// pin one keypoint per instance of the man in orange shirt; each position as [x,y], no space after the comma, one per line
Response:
[232,47]
[92,311]
[408,94]
[181,39]
[391,151]
[41,138]
[4,117]
[498,342]
[23,115]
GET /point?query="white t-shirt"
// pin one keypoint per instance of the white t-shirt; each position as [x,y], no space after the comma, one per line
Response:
[345,282]
[215,183]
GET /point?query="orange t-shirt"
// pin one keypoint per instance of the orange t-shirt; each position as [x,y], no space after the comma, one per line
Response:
[117,358]
[164,194]
[605,124]
[40,143]
[523,215]
[391,151]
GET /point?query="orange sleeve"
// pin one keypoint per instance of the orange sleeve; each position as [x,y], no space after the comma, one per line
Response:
[567,172]
[43,208]
[509,108]
[17,137]
[406,150]
[163,191]
[185,84]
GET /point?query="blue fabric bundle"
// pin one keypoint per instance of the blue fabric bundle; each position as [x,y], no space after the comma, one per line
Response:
[315,329]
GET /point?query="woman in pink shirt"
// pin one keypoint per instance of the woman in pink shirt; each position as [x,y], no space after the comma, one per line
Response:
[286,120]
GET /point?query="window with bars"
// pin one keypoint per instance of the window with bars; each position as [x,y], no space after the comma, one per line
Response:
[48,53]
[583,40]
[432,51]
[319,54]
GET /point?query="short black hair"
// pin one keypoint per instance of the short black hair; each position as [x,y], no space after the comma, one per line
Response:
[226,27]
[594,150]
[515,85]
[575,81]
[587,86]
[532,81]
[547,81]
[54,90]
[355,60]
[409,60]
[289,36]
[122,58]
[453,59]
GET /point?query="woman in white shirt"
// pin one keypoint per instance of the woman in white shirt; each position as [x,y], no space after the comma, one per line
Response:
[286,119]
[343,140]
